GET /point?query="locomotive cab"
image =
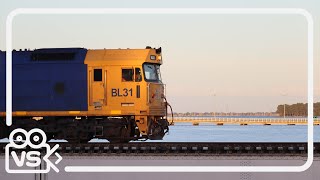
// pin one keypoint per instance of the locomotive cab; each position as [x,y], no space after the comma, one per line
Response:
[130,89]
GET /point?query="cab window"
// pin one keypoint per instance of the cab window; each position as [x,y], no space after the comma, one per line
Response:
[152,72]
[97,75]
[138,76]
[127,75]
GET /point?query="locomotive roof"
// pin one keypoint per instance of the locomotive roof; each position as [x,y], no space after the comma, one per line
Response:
[120,56]
[46,55]
[82,55]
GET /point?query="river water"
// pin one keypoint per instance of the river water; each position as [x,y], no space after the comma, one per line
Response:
[186,132]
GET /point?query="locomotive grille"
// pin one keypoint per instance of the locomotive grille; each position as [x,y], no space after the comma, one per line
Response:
[157,111]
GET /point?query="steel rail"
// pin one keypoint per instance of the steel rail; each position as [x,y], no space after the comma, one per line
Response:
[185,148]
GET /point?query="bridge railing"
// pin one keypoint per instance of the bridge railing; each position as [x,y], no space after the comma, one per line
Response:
[249,120]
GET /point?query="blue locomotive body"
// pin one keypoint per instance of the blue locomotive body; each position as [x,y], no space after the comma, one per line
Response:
[46,80]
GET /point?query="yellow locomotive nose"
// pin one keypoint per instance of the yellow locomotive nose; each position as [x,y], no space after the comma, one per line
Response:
[131,87]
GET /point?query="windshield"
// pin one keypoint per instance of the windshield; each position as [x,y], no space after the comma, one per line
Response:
[152,72]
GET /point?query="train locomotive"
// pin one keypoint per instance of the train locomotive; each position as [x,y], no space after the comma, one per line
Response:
[78,94]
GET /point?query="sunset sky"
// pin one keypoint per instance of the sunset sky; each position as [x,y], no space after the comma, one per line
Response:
[238,63]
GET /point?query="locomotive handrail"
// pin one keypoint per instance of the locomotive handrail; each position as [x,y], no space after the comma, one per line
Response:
[148,94]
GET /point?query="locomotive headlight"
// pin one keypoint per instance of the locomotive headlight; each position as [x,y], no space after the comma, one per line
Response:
[153,57]
[159,58]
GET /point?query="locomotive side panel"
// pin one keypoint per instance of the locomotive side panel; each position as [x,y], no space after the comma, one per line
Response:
[124,94]
[47,80]
[49,87]
[122,91]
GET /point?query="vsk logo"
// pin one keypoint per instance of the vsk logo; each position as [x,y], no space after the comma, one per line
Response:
[29,160]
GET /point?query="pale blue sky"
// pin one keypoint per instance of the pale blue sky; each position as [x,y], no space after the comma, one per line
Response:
[211,62]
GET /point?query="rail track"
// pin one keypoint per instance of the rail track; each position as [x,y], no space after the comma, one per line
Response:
[184,149]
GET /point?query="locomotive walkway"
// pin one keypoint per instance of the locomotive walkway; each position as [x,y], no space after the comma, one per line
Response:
[244,121]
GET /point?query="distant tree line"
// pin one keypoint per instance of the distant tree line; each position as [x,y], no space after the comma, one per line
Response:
[299,109]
